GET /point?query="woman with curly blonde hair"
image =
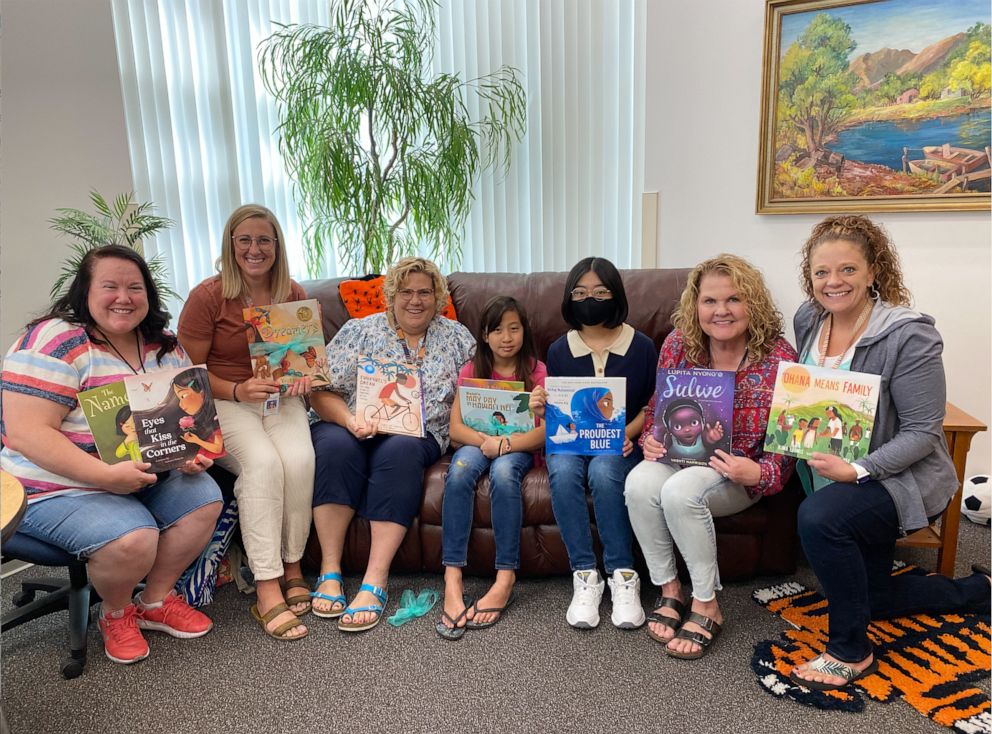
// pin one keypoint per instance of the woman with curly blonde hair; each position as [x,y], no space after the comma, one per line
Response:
[726,320]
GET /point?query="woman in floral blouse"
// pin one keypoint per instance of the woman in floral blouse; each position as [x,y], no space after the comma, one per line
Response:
[380,476]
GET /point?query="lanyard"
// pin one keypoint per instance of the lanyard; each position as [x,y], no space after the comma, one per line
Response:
[137,342]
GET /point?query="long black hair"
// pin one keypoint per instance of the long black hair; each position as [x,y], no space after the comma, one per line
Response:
[205,422]
[492,315]
[610,277]
[73,305]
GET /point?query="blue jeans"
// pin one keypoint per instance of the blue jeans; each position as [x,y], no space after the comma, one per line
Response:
[605,475]
[848,532]
[505,475]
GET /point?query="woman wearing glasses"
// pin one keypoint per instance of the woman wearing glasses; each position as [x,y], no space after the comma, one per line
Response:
[600,344]
[268,450]
[379,476]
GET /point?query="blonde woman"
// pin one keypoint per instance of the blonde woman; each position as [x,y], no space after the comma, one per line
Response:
[725,320]
[270,452]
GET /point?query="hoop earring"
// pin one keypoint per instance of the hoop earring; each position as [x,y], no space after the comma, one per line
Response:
[873,293]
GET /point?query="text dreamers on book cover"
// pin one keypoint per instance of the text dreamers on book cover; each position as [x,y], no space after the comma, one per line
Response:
[819,409]
[174,416]
[495,412]
[108,415]
[389,394]
[585,415]
[286,342]
[693,414]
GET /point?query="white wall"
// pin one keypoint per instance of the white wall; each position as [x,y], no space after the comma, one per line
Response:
[701,133]
[62,135]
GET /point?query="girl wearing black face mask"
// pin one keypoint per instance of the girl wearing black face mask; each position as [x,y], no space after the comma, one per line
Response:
[599,344]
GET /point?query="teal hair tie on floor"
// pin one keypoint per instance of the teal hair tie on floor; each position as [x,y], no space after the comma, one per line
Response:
[412,606]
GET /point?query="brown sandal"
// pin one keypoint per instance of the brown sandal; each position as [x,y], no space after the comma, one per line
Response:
[279,633]
[670,622]
[698,638]
[294,599]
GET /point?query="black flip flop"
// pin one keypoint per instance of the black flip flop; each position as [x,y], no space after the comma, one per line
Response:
[473,625]
[454,632]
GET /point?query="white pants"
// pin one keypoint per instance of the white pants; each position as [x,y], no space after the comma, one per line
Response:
[669,506]
[273,458]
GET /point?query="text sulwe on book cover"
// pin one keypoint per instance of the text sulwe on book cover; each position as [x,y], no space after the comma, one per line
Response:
[286,342]
[388,393]
[495,412]
[585,415]
[694,414]
[819,409]
[174,416]
[108,415]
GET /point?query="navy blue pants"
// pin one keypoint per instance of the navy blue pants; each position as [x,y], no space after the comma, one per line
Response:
[849,532]
[382,478]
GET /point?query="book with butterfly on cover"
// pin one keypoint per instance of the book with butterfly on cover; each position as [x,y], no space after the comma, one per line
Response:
[286,342]
[823,410]
[585,415]
[174,416]
[693,414]
[495,412]
[389,394]
[108,414]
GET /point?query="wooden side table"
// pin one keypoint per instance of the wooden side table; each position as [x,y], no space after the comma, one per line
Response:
[13,503]
[959,428]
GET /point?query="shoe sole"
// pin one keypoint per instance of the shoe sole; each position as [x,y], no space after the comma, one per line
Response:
[171,631]
[627,625]
[126,662]
[583,625]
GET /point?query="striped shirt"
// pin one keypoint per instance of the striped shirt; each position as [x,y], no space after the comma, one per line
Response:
[54,360]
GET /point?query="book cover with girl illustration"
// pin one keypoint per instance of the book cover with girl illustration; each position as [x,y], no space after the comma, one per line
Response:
[821,410]
[495,412]
[388,393]
[286,342]
[694,414]
[173,416]
[108,414]
[585,415]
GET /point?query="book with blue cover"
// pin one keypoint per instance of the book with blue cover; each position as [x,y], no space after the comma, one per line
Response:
[585,415]
[495,412]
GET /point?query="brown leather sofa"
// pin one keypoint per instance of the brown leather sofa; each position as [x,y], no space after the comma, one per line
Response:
[761,540]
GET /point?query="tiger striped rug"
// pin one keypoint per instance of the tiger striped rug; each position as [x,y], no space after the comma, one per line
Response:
[929,662]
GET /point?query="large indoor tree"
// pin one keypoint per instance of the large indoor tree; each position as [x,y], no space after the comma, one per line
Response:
[383,152]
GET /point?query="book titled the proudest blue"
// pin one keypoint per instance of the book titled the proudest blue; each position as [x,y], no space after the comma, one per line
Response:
[586,415]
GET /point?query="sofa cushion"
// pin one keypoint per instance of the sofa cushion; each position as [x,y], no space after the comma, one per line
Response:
[364,297]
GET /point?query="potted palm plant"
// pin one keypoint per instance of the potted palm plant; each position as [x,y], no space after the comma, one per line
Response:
[383,152]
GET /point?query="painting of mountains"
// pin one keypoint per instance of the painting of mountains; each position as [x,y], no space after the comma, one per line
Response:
[876,105]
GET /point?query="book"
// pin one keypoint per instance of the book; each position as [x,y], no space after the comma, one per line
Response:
[693,414]
[819,409]
[286,342]
[108,414]
[174,416]
[515,385]
[585,415]
[495,412]
[389,394]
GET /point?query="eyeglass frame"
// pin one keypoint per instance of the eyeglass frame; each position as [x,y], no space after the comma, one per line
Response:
[254,241]
[407,294]
[591,294]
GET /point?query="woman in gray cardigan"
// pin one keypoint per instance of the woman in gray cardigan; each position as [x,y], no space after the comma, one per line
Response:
[858,319]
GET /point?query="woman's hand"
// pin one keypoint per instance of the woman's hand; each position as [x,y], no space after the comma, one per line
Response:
[362,431]
[738,469]
[127,477]
[654,450]
[299,388]
[628,446]
[197,464]
[538,401]
[256,390]
[490,447]
[832,467]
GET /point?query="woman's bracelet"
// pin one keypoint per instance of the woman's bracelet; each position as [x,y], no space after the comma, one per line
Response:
[234,392]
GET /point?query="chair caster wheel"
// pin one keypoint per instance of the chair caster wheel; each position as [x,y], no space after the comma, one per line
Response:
[72,669]
[22,598]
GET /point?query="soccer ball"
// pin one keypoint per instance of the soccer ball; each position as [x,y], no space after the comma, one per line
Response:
[976,499]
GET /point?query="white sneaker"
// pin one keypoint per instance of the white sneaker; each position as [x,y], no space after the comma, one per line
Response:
[625,588]
[587,593]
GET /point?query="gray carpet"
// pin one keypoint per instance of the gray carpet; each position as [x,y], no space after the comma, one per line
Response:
[530,673]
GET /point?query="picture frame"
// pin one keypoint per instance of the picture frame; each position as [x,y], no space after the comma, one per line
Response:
[848,137]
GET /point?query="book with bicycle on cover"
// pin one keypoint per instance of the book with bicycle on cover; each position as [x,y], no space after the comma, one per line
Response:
[286,342]
[495,412]
[389,394]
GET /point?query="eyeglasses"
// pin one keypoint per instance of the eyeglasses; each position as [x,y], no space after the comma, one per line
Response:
[599,294]
[264,242]
[407,294]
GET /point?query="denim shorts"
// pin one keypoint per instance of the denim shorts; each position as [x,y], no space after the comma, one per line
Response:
[83,523]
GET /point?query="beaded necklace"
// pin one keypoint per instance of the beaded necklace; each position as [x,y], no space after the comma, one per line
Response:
[828,327]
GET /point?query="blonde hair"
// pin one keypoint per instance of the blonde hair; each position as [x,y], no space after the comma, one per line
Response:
[875,246]
[398,273]
[232,281]
[764,319]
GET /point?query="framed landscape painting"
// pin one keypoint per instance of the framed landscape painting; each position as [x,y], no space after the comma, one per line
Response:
[875,105]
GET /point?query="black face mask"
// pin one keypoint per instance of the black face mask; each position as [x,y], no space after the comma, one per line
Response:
[591,312]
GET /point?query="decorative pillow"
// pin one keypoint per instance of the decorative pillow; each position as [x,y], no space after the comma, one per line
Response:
[363,297]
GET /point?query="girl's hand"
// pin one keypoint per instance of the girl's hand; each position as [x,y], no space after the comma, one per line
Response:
[362,431]
[628,446]
[654,450]
[713,433]
[538,400]
[194,439]
[256,390]
[738,469]
[298,389]
[197,464]
[490,447]
[127,477]
[833,467]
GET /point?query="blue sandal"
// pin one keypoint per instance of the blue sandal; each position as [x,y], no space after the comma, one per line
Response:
[335,599]
[379,593]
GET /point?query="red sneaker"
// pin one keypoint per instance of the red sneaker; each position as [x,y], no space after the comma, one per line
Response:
[122,640]
[175,617]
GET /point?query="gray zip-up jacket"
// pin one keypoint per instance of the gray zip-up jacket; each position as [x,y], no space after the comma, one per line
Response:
[908,454]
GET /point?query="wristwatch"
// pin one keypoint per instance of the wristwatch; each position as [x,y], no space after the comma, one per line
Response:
[863,475]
